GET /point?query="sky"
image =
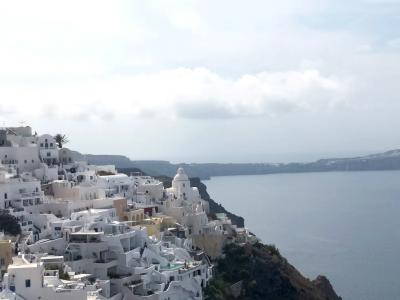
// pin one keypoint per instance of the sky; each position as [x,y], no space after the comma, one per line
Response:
[205,81]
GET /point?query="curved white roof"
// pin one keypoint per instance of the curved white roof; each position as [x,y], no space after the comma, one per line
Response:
[115,176]
[181,175]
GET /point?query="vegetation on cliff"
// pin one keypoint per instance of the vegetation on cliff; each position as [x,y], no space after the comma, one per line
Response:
[259,272]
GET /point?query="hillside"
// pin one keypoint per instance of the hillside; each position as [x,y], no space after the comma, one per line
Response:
[389,160]
[255,272]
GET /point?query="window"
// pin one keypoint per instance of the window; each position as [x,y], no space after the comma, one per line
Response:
[5,195]
[5,156]
[41,144]
[51,144]
[2,262]
[33,161]
[48,154]
[27,283]
[25,161]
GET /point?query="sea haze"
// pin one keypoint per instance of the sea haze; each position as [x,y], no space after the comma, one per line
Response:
[344,225]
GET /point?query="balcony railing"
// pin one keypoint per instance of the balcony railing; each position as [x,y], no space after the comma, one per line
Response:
[30,195]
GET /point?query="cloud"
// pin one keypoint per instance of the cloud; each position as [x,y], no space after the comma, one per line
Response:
[181,93]
[249,61]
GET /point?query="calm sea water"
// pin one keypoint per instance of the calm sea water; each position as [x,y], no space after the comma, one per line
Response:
[345,225]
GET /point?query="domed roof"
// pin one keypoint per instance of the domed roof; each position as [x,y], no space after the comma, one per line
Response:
[181,175]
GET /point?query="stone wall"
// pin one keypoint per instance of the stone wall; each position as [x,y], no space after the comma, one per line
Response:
[211,244]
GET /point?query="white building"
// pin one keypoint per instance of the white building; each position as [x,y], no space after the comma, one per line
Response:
[48,150]
[18,152]
[26,280]
[185,204]
[136,265]
[20,195]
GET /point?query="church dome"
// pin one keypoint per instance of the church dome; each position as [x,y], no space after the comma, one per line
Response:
[181,175]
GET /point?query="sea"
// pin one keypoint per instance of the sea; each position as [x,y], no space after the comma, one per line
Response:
[344,225]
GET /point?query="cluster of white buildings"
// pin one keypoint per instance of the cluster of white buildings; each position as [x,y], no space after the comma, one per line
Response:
[89,232]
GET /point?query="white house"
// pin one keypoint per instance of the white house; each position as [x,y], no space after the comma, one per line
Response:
[26,280]
[185,204]
[18,152]
[48,150]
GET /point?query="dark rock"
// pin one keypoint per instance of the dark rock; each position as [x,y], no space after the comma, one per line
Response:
[264,275]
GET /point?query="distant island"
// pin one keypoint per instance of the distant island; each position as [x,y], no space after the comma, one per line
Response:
[389,160]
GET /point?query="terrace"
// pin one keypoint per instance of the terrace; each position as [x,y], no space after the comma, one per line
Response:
[85,237]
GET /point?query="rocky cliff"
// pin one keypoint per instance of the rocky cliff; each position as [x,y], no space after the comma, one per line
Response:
[252,272]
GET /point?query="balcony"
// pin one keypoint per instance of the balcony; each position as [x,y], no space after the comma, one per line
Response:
[26,223]
[134,283]
[31,194]
[114,275]
[88,237]
[104,260]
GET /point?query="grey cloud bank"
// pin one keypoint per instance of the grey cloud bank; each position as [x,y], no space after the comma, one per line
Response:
[310,76]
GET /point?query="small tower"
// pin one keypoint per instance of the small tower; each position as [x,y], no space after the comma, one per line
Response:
[181,184]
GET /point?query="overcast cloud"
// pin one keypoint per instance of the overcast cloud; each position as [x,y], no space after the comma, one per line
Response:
[271,68]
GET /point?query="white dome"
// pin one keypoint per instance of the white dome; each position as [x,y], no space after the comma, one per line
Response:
[181,175]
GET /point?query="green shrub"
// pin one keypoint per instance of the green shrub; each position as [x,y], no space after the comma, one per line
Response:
[9,224]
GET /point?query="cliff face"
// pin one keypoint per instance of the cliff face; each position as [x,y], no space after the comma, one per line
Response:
[261,273]
[215,207]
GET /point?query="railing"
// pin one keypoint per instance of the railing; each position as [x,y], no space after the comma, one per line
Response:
[25,223]
[103,261]
[25,240]
[134,283]
[118,276]
[32,194]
